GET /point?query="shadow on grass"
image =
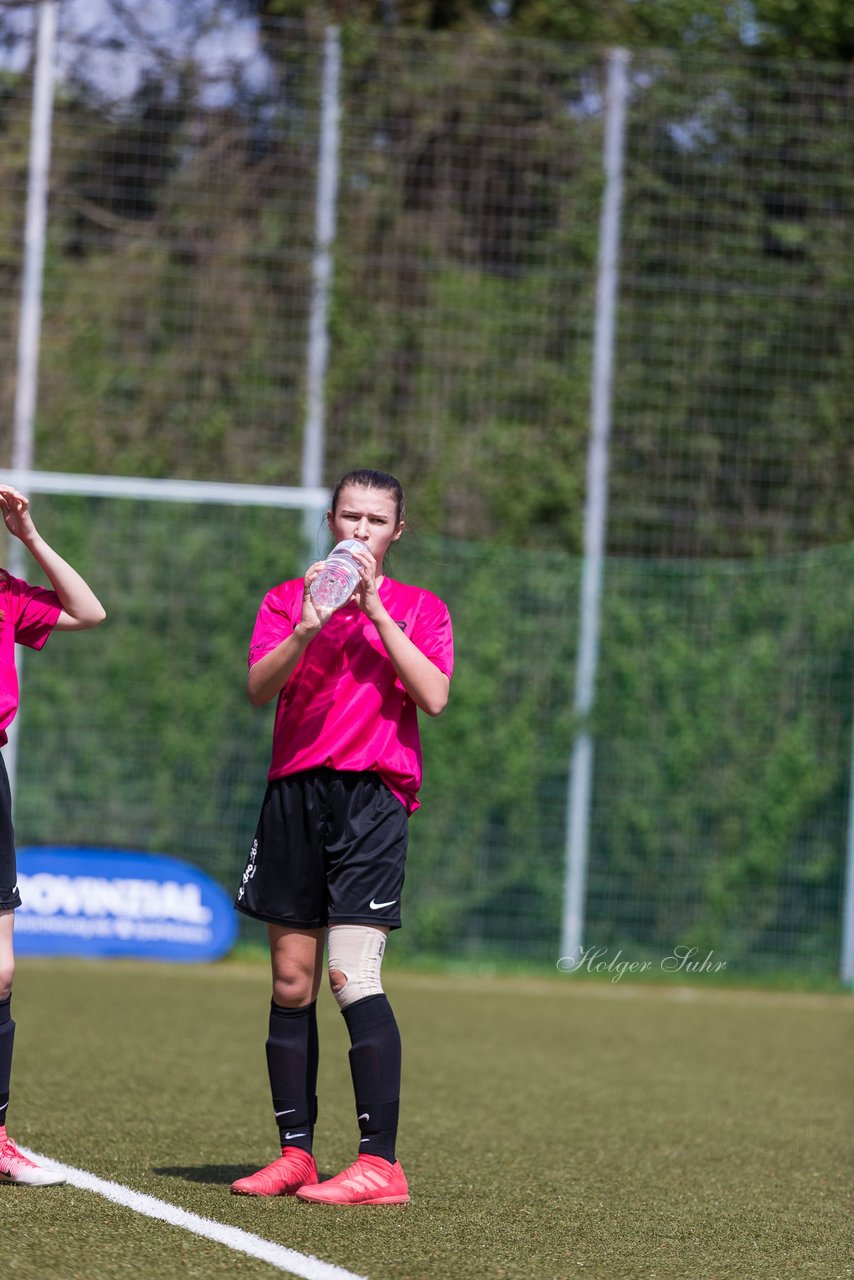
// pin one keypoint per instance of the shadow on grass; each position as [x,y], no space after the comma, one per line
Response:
[217,1174]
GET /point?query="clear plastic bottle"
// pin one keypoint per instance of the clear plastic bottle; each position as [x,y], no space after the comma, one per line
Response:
[339,577]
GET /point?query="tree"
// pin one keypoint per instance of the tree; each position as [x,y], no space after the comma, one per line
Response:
[819,29]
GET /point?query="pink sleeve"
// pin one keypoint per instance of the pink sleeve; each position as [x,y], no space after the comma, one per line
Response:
[36,611]
[433,633]
[272,625]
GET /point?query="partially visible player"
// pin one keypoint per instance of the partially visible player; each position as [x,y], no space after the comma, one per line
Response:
[330,846]
[28,615]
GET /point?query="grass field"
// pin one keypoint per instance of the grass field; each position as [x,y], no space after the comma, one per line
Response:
[550,1128]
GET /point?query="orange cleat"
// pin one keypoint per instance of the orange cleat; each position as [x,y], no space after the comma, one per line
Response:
[295,1168]
[371,1180]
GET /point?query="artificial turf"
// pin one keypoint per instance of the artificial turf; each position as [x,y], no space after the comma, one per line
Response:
[550,1128]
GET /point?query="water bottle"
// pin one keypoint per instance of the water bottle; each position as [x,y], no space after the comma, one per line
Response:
[338,578]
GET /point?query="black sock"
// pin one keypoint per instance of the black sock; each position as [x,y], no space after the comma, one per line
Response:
[312,1059]
[375,1068]
[7,1038]
[292,1057]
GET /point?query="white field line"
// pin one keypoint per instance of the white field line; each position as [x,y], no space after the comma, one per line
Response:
[287,1260]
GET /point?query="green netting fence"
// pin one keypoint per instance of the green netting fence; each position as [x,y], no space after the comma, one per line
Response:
[722,732]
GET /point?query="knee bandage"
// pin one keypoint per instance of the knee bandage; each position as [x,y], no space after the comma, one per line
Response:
[356,951]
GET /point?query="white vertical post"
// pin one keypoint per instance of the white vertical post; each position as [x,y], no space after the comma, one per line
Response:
[29,330]
[596,504]
[324,239]
[846,967]
[29,324]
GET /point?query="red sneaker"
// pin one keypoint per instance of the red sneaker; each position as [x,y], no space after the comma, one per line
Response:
[295,1168]
[371,1180]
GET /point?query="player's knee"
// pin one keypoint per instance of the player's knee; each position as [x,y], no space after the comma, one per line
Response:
[293,989]
[355,962]
[7,974]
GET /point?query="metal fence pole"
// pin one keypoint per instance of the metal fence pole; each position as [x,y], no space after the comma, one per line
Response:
[846,967]
[29,325]
[324,238]
[596,505]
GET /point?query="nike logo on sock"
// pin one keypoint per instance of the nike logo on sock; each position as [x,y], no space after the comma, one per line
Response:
[295,1135]
[375,906]
[290,1111]
[366,1115]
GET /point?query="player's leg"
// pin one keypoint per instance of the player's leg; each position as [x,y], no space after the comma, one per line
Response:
[355,963]
[7,1026]
[14,1165]
[292,1044]
[366,880]
[10,898]
[284,881]
[292,1058]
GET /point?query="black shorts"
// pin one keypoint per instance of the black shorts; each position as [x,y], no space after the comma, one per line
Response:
[330,848]
[9,896]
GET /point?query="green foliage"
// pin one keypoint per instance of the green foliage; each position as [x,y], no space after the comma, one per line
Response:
[810,29]
[735,331]
[723,743]
[822,29]
[642,23]
[178,288]
[463,298]
[485,869]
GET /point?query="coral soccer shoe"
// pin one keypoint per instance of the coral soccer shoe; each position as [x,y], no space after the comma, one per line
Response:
[284,1177]
[370,1180]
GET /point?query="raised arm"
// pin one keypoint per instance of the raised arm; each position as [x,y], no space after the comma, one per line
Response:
[81,608]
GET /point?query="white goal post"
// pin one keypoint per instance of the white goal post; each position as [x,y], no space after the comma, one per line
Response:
[294,497]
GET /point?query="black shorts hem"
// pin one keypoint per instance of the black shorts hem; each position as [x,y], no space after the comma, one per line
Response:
[369,922]
[300,924]
[284,924]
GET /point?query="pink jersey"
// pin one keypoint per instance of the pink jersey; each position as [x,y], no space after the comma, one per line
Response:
[344,706]
[27,616]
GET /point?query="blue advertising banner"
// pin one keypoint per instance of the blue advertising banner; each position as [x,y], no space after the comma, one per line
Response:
[116,902]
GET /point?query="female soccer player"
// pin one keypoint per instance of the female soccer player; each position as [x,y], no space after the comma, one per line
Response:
[27,616]
[330,846]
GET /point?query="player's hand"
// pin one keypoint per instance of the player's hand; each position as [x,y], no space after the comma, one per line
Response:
[313,617]
[15,508]
[367,594]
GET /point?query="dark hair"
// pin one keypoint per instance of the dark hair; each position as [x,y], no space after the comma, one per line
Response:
[381,480]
